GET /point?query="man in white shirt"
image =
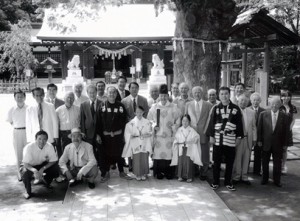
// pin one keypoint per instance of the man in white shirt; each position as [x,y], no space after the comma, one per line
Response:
[78,160]
[68,118]
[16,117]
[39,160]
[183,98]
[41,116]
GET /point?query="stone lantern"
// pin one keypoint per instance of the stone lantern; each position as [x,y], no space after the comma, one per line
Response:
[49,64]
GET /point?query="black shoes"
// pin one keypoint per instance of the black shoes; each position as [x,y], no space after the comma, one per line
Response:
[91,185]
[203,178]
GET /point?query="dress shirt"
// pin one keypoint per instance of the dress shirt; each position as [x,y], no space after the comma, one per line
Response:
[200,105]
[79,100]
[17,116]
[33,155]
[68,118]
[276,116]
[122,93]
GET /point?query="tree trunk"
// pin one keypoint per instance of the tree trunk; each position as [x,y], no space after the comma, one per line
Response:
[195,63]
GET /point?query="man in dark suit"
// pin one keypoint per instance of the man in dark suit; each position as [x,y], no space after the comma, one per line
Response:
[255,101]
[52,91]
[134,100]
[88,112]
[121,91]
[272,137]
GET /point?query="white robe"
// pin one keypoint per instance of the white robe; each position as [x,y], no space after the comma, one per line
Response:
[192,140]
[137,144]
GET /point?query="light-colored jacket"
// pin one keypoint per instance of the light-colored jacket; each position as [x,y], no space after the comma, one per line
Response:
[199,124]
[85,155]
[50,122]
[251,130]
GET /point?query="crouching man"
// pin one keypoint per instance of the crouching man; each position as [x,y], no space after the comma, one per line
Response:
[40,161]
[78,160]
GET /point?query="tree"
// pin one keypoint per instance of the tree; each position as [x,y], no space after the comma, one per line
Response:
[11,11]
[16,52]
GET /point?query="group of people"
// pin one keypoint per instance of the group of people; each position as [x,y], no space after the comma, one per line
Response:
[113,127]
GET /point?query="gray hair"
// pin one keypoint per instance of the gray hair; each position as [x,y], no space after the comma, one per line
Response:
[78,84]
[183,84]
[197,87]
[91,86]
[243,95]
[255,94]
[212,91]
[69,93]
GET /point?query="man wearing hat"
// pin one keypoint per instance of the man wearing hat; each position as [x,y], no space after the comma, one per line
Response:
[166,119]
[78,160]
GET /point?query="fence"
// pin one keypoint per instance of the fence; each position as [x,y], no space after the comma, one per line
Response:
[11,87]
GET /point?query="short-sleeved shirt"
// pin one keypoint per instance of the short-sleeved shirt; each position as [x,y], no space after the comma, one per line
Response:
[68,118]
[17,116]
[34,156]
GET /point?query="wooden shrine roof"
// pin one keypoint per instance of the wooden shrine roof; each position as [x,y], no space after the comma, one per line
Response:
[255,27]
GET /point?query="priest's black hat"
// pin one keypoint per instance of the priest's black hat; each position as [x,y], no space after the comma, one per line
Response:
[163,89]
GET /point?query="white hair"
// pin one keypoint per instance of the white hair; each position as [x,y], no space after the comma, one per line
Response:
[212,91]
[255,94]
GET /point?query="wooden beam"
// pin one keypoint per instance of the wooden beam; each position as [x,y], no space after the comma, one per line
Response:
[231,61]
[250,50]
[248,40]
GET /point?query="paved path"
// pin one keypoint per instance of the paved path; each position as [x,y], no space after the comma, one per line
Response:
[150,200]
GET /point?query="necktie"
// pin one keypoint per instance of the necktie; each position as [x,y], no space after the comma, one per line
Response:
[273,121]
[197,111]
[134,105]
[93,109]
[40,116]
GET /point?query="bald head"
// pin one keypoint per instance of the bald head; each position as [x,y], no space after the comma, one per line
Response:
[275,103]
[69,99]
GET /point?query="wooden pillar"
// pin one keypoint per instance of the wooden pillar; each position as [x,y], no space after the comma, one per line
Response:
[224,68]
[266,68]
[63,61]
[244,66]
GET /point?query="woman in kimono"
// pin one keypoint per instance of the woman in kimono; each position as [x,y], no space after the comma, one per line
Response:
[138,138]
[186,150]
[166,119]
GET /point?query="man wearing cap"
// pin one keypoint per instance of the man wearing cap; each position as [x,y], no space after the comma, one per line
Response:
[165,116]
[78,160]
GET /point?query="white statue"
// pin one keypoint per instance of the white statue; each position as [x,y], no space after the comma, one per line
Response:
[74,63]
[158,64]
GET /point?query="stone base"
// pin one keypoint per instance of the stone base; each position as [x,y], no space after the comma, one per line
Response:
[157,78]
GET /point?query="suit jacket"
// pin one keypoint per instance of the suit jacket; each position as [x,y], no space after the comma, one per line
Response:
[251,130]
[57,102]
[118,98]
[260,109]
[87,122]
[269,138]
[199,124]
[49,122]
[141,101]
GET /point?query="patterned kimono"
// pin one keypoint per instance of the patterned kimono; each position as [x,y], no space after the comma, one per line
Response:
[138,147]
[163,139]
[186,151]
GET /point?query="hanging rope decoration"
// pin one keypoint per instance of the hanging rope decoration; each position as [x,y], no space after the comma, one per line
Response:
[203,42]
[113,53]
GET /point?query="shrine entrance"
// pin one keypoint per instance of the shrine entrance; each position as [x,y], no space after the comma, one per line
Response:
[102,65]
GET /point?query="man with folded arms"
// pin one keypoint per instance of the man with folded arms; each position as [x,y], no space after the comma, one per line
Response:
[78,160]
[111,121]
[40,161]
